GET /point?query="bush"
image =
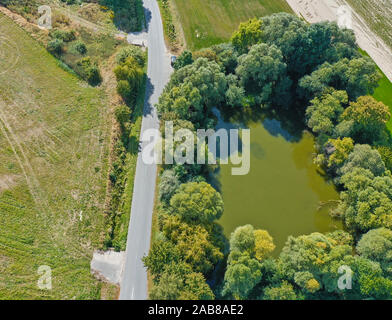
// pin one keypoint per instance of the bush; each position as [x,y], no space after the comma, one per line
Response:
[124,89]
[123,114]
[55,46]
[133,52]
[66,36]
[93,75]
[131,73]
[183,60]
[89,71]
[80,47]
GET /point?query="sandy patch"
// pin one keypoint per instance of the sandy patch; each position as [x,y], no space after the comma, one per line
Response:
[108,265]
[322,10]
[7,181]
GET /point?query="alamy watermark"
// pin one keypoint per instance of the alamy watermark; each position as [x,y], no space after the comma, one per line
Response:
[45,20]
[201,147]
[45,280]
[345,281]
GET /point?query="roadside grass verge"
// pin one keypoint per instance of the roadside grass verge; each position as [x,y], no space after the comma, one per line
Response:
[174,36]
[208,22]
[54,137]
[125,185]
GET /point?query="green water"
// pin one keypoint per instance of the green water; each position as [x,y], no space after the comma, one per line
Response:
[282,192]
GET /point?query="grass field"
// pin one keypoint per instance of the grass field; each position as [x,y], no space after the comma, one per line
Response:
[54,136]
[208,22]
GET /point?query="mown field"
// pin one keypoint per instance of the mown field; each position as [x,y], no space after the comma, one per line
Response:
[54,136]
[207,22]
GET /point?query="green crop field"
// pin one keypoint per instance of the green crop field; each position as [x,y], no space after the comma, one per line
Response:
[207,22]
[54,136]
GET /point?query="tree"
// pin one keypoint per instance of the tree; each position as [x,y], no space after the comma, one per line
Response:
[369,119]
[193,91]
[363,156]
[248,247]
[376,245]
[312,261]
[243,239]
[227,56]
[183,60]
[194,243]
[264,244]
[305,47]
[368,280]
[162,253]
[323,113]
[366,202]
[262,73]
[358,76]
[257,243]
[283,292]
[209,54]
[343,148]
[197,202]
[248,34]
[168,185]
[179,282]
[242,275]
[386,156]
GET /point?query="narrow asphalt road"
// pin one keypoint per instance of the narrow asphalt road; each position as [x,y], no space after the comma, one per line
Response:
[134,277]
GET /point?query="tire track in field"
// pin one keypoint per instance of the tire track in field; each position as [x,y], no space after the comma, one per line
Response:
[24,163]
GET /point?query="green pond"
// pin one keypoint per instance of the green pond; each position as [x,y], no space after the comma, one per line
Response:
[283,193]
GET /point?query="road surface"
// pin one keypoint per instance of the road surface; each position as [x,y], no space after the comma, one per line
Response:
[134,277]
[322,10]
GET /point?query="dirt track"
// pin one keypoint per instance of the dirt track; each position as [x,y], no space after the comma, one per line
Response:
[321,10]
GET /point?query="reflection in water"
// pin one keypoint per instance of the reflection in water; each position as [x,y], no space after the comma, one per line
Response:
[275,129]
[283,191]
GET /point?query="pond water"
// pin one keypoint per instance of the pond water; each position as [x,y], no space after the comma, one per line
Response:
[283,193]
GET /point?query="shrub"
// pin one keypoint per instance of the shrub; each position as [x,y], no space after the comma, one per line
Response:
[93,75]
[123,114]
[183,60]
[66,36]
[89,71]
[55,46]
[132,73]
[80,47]
[124,89]
[131,51]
